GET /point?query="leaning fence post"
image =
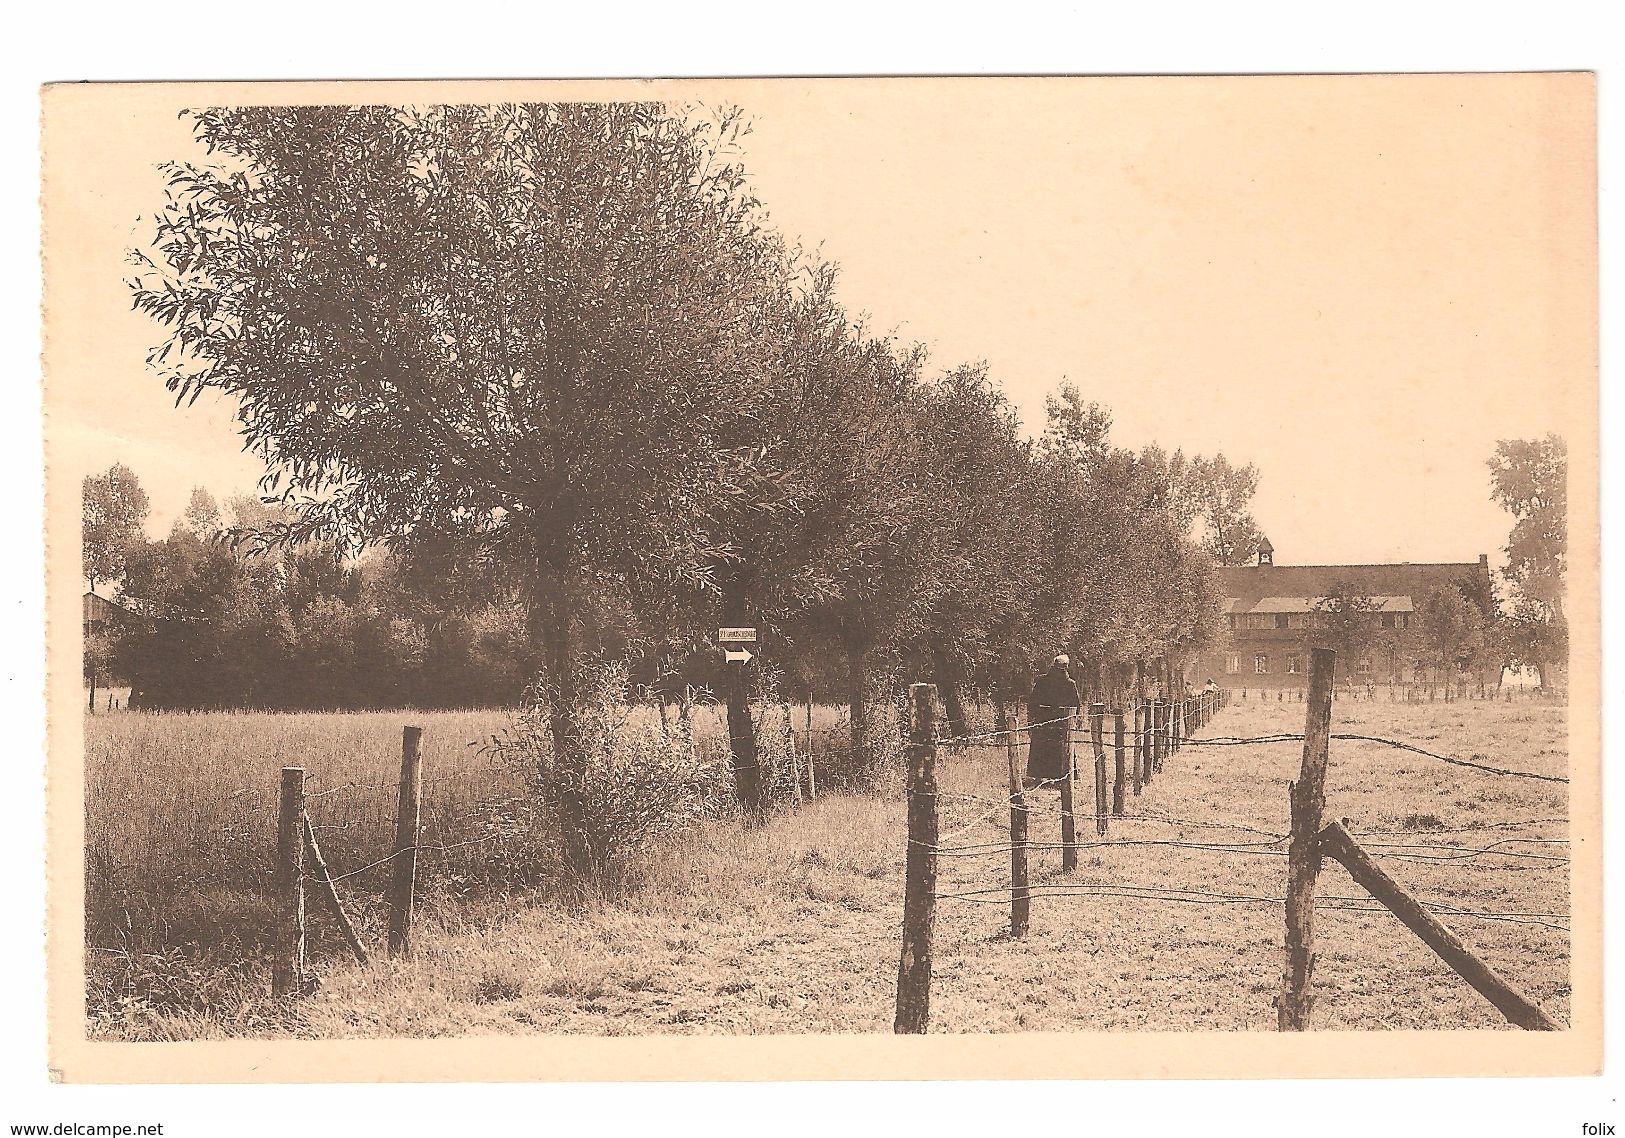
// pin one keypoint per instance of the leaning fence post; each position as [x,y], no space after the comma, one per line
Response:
[1020,904]
[330,892]
[1097,714]
[288,967]
[1308,799]
[920,866]
[1518,1008]
[1121,762]
[404,871]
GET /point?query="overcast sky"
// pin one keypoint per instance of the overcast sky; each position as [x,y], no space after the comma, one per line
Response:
[1357,284]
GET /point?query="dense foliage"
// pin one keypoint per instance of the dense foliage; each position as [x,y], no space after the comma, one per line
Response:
[557,347]
[206,624]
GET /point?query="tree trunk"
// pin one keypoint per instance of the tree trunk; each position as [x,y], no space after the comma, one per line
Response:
[744,756]
[857,692]
[948,685]
[564,782]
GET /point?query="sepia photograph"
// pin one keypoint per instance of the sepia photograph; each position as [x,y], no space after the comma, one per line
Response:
[707,578]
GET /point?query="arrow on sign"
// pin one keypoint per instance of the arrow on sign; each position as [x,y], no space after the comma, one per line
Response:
[738,655]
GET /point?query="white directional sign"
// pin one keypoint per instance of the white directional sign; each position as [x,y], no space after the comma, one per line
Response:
[738,655]
[736,635]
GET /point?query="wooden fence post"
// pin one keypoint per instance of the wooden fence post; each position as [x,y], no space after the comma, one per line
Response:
[1020,903]
[795,761]
[288,966]
[1069,818]
[920,866]
[812,777]
[1159,720]
[1159,735]
[404,871]
[1308,799]
[1142,743]
[1121,763]
[1519,1009]
[1097,715]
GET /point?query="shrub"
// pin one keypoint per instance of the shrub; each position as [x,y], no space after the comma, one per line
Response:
[640,781]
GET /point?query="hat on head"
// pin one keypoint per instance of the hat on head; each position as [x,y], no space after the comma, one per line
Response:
[1062,660]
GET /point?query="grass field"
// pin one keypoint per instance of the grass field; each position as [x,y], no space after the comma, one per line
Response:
[793,927]
[180,817]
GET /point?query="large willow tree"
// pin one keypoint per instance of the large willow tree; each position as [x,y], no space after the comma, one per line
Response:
[536,327]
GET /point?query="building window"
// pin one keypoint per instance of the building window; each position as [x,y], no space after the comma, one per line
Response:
[1261,665]
[1294,664]
[1232,663]
[1235,621]
[1388,620]
[1364,666]
[1404,620]
[1280,620]
[1260,620]
[1297,620]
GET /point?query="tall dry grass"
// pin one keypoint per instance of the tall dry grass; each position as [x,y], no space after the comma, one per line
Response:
[180,819]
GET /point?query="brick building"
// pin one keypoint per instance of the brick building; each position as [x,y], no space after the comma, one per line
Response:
[1270,619]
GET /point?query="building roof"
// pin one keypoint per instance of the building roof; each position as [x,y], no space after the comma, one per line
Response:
[1294,588]
[1399,603]
[98,607]
[1282,604]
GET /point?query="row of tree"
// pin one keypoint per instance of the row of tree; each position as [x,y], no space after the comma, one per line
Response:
[558,352]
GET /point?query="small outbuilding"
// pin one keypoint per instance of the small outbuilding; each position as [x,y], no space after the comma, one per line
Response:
[99,612]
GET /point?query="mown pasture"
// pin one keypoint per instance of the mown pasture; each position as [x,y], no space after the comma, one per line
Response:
[793,926]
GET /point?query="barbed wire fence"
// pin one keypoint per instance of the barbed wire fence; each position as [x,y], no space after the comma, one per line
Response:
[364,853]
[1159,733]
[353,860]
[1415,691]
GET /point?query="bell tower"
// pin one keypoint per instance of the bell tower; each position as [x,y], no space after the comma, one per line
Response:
[1266,552]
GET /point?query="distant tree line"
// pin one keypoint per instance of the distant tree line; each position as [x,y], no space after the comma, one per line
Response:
[206,624]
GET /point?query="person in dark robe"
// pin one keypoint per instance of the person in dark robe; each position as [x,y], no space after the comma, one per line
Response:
[1054,696]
